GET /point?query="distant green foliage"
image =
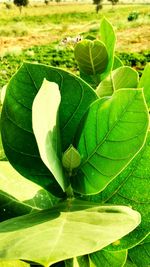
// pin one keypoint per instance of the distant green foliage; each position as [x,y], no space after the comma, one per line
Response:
[98,4]
[133,15]
[60,57]
[113,2]
[21,3]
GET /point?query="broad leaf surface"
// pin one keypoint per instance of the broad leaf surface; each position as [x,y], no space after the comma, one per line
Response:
[53,235]
[107,36]
[123,77]
[91,56]
[15,263]
[104,258]
[132,188]
[17,134]
[114,131]
[46,129]
[140,255]
[129,263]
[19,196]
[145,83]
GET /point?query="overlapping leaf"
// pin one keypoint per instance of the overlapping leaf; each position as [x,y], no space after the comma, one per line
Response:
[16,121]
[114,131]
[19,196]
[108,37]
[46,129]
[108,258]
[123,77]
[144,82]
[132,188]
[53,235]
[91,56]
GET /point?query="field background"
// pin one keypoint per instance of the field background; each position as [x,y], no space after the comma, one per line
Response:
[36,34]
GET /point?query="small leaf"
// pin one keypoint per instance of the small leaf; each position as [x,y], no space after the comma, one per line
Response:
[114,131]
[45,127]
[91,56]
[123,77]
[107,36]
[104,258]
[145,83]
[71,158]
[71,229]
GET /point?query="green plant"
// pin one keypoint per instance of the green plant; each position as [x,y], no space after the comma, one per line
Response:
[133,16]
[84,154]
[98,4]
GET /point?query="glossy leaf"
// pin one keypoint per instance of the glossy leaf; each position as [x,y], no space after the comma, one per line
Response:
[91,56]
[16,121]
[46,130]
[140,255]
[132,188]
[55,234]
[114,131]
[19,196]
[108,258]
[145,83]
[123,77]
[107,36]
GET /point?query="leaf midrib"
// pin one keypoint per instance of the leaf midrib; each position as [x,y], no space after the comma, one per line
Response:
[107,134]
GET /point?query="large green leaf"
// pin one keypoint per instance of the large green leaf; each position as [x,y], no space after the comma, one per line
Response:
[104,258]
[123,77]
[19,196]
[71,229]
[47,101]
[107,36]
[16,121]
[140,255]
[117,63]
[114,131]
[91,56]
[132,188]
[145,83]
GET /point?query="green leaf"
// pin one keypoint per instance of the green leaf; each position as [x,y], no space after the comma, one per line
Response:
[145,83]
[14,263]
[123,77]
[117,63]
[140,255]
[113,133]
[71,158]
[16,121]
[91,56]
[19,196]
[107,36]
[104,258]
[46,131]
[132,188]
[71,229]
